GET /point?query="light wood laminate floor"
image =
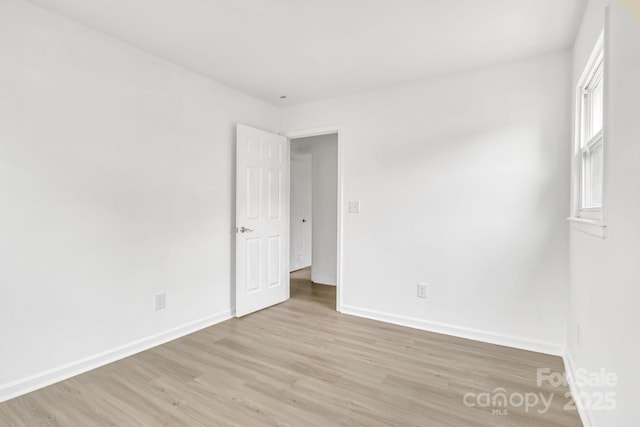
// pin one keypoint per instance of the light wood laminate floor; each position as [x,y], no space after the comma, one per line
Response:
[301,364]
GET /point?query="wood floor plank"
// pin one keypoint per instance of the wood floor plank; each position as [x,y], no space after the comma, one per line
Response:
[301,363]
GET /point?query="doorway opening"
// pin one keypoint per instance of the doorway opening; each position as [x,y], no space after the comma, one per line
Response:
[314,217]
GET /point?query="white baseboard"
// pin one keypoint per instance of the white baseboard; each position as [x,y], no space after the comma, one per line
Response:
[51,376]
[577,392]
[293,270]
[323,280]
[457,331]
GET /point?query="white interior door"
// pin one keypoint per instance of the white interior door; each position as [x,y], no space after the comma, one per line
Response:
[301,209]
[262,226]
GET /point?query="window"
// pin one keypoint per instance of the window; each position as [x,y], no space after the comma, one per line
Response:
[591,142]
[588,164]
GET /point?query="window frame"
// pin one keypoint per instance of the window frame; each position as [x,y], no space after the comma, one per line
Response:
[583,214]
[587,142]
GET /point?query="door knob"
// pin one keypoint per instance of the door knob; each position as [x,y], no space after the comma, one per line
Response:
[245,230]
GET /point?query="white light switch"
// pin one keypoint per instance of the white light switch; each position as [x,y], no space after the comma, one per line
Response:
[354,207]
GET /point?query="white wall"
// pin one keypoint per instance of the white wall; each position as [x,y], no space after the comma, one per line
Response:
[301,212]
[464,184]
[116,179]
[605,273]
[324,153]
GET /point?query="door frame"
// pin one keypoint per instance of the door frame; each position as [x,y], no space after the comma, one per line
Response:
[317,131]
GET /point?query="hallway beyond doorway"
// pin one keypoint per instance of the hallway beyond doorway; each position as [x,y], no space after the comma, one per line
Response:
[302,288]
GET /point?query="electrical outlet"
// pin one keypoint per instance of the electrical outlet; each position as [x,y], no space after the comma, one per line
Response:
[161,301]
[422,290]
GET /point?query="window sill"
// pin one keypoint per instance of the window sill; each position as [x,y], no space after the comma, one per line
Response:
[589,226]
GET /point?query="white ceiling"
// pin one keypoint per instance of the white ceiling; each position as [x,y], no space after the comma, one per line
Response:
[314,49]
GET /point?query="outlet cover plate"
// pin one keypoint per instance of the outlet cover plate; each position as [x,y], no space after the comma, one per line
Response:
[161,301]
[423,290]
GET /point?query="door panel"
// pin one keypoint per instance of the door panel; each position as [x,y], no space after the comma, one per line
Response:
[275,188]
[262,198]
[301,207]
[273,274]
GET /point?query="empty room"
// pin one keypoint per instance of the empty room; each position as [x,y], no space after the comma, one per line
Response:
[319,213]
